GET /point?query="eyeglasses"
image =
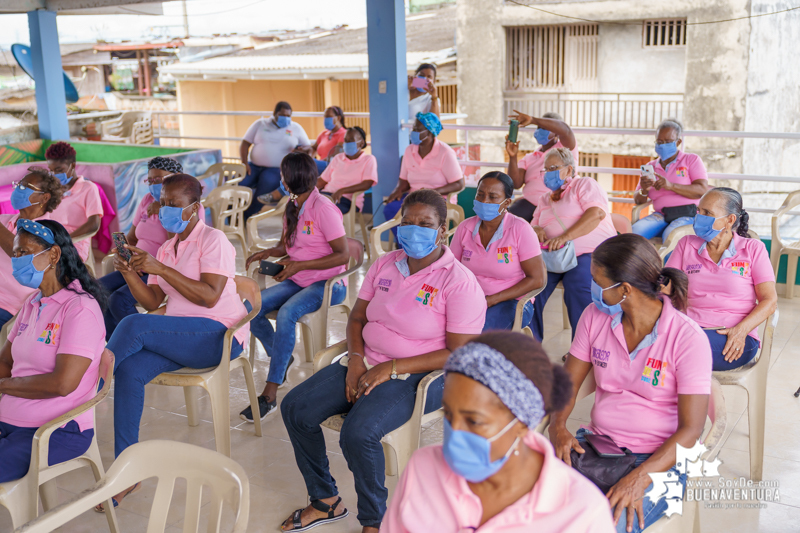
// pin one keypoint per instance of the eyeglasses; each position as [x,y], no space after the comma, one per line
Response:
[659,143]
[152,181]
[22,186]
[554,167]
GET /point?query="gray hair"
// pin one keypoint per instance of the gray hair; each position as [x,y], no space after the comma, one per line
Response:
[731,202]
[671,124]
[565,155]
[554,115]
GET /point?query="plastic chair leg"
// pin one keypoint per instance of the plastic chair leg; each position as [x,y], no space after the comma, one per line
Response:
[565,316]
[219,392]
[313,339]
[18,506]
[96,462]
[251,393]
[252,354]
[49,493]
[791,275]
[390,459]
[756,414]
[192,394]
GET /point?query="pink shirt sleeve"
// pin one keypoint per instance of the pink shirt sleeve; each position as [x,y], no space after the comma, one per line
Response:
[326,174]
[535,219]
[455,242]
[523,163]
[466,308]
[370,169]
[367,291]
[592,195]
[581,346]
[693,362]
[94,205]
[140,210]
[320,137]
[762,267]
[79,332]
[697,170]
[676,258]
[250,135]
[450,167]
[217,255]
[528,243]
[152,279]
[330,221]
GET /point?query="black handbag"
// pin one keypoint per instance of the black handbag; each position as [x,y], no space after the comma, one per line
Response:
[604,472]
[672,214]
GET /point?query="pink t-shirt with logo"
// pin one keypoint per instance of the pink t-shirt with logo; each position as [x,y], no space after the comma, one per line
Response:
[205,251]
[437,169]
[64,323]
[429,492]
[345,172]
[77,205]
[636,402]
[724,294]
[685,169]
[580,195]
[319,223]
[12,294]
[498,268]
[149,231]
[409,316]
[532,164]
[326,141]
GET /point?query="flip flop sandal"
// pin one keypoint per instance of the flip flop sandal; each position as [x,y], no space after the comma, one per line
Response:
[297,524]
[99,507]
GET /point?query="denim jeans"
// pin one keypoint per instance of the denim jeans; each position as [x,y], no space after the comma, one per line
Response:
[5,316]
[343,205]
[652,511]
[66,443]
[262,180]
[291,301]
[577,295]
[121,302]
[501,316]
[654,225]
[144,346]
[391,209]
[523,209]
[385,409]
[718,341]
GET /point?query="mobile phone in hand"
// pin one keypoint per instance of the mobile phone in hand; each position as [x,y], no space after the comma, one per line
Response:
[120,240]
[604,445]
[420,82]
[268,268]
[648,170]
[513,131]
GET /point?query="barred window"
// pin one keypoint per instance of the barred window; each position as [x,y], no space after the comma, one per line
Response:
[664,33]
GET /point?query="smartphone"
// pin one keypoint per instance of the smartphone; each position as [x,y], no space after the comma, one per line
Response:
[604,446]
[268,268]
[513,131]
[648,170]
[120,241]
[420,83]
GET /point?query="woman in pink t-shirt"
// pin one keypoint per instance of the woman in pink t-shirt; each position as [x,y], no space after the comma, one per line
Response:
[652,366]
[551,132]
[349,172]
[415,307]
[332,135]
[493,473]
[731,281]
[49,363]
[576,210]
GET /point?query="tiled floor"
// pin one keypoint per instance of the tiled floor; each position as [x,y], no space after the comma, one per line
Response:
[277,488]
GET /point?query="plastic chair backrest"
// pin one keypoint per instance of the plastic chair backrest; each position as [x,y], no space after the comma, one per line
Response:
[621,223]
[228,204]
[792,200]
[248,289]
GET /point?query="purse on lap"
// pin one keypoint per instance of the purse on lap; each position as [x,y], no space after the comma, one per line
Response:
[604,472]
[671,214]
[563,259]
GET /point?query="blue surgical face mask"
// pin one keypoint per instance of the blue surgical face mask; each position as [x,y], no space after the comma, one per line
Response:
[542,136]
[329,124]
[486,212]
[63,178]
[597,298]
[665,151]
[350,149]
[416,138]
[704,227]
[172,218]
[25,272]
[552,180]
[155,191]
[21,198]
[283,121]
[283,189]
[416,241]
[470,455]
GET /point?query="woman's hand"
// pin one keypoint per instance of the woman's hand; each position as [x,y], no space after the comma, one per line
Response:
[628,494]
[524,120]
[563,443]
[372,378]
[121,265]
[355,370]
[556,243]
[290,268]
[396,195]
[153,209]
[540,233]
[492,300]
[432,90]
[512,149]
[734,347]
[410,86]
[258,256]
[144,262]
[663,184]
[337,196]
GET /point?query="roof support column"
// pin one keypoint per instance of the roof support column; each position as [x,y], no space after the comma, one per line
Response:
[388,92]
[51,98]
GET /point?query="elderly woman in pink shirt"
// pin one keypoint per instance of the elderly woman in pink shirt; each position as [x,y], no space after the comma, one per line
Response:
[415,307]
[493,473]
[652,366]
[350,172]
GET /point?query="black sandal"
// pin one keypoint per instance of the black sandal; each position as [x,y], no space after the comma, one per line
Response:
[319,505]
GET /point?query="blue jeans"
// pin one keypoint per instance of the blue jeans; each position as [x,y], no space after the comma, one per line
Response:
[387,407]
[654,225]
[144,346]
[5,316]
[291,301]
[66,443]
[577,295]
[121,303]
[391,209]
[262,180]
[343,205]
[718,341]
[501,316]
[652,511]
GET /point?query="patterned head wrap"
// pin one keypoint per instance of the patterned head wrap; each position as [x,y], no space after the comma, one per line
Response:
[165,163]
[431,122]
[491,368]
[34,228]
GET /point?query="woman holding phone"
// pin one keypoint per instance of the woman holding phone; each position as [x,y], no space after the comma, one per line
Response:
[423,96]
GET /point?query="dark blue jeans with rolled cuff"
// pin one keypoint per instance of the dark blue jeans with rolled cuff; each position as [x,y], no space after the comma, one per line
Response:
[121,302]
[577,295]
[262,180]
[718,341]
[144,346]
[385,409]
[391,209]
[501,316]
[5,316]
[291,301]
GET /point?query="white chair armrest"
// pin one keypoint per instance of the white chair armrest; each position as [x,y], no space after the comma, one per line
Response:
[325,357]
[521,306]
[637,211]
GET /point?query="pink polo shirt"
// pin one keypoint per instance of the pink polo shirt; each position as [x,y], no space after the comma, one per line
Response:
[345,172]
[409,315]
[77,205]
[326,141]
[497,268]
[533,164]
[205,251]
[685,169]
[435,170]
[64,323]
[580,195]
[12,294]
[636,402]
[429,492]
[724,294]
[149,231]
[319,222]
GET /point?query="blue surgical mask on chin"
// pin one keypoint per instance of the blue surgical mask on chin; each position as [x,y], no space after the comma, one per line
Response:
[469,455]
[665,151]
[597,298]
[416,241]
[704,227]
[283,121]
[63,178]
[542,136]
[283,189]
[329,124]
[486,212]
[415,138]
[172,218]
[25,272]
[155,191]
[21,198]
[350,149]
[552,180]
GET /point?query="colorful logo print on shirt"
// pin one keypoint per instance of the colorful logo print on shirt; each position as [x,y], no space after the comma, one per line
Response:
[426,295]
[384,284]
[48,336]
[504,254]
[654,372]
[681,172]
[308,227]
[741,267]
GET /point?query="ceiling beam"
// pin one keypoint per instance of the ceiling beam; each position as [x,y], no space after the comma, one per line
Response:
[83,7]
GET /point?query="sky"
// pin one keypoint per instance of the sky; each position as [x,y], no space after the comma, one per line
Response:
[205,18]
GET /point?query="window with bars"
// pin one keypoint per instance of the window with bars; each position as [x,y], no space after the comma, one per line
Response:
[667,33]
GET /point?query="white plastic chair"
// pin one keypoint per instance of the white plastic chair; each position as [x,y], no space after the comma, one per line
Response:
[752,377]
[517,327]
[255,242]
[352,218]
[205,471]
[669,245]
[636,214]
[216,380]
[20,497]
[90,259]
[227,173]
[228,204]
[132,127]
[400,444]
[779,247]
